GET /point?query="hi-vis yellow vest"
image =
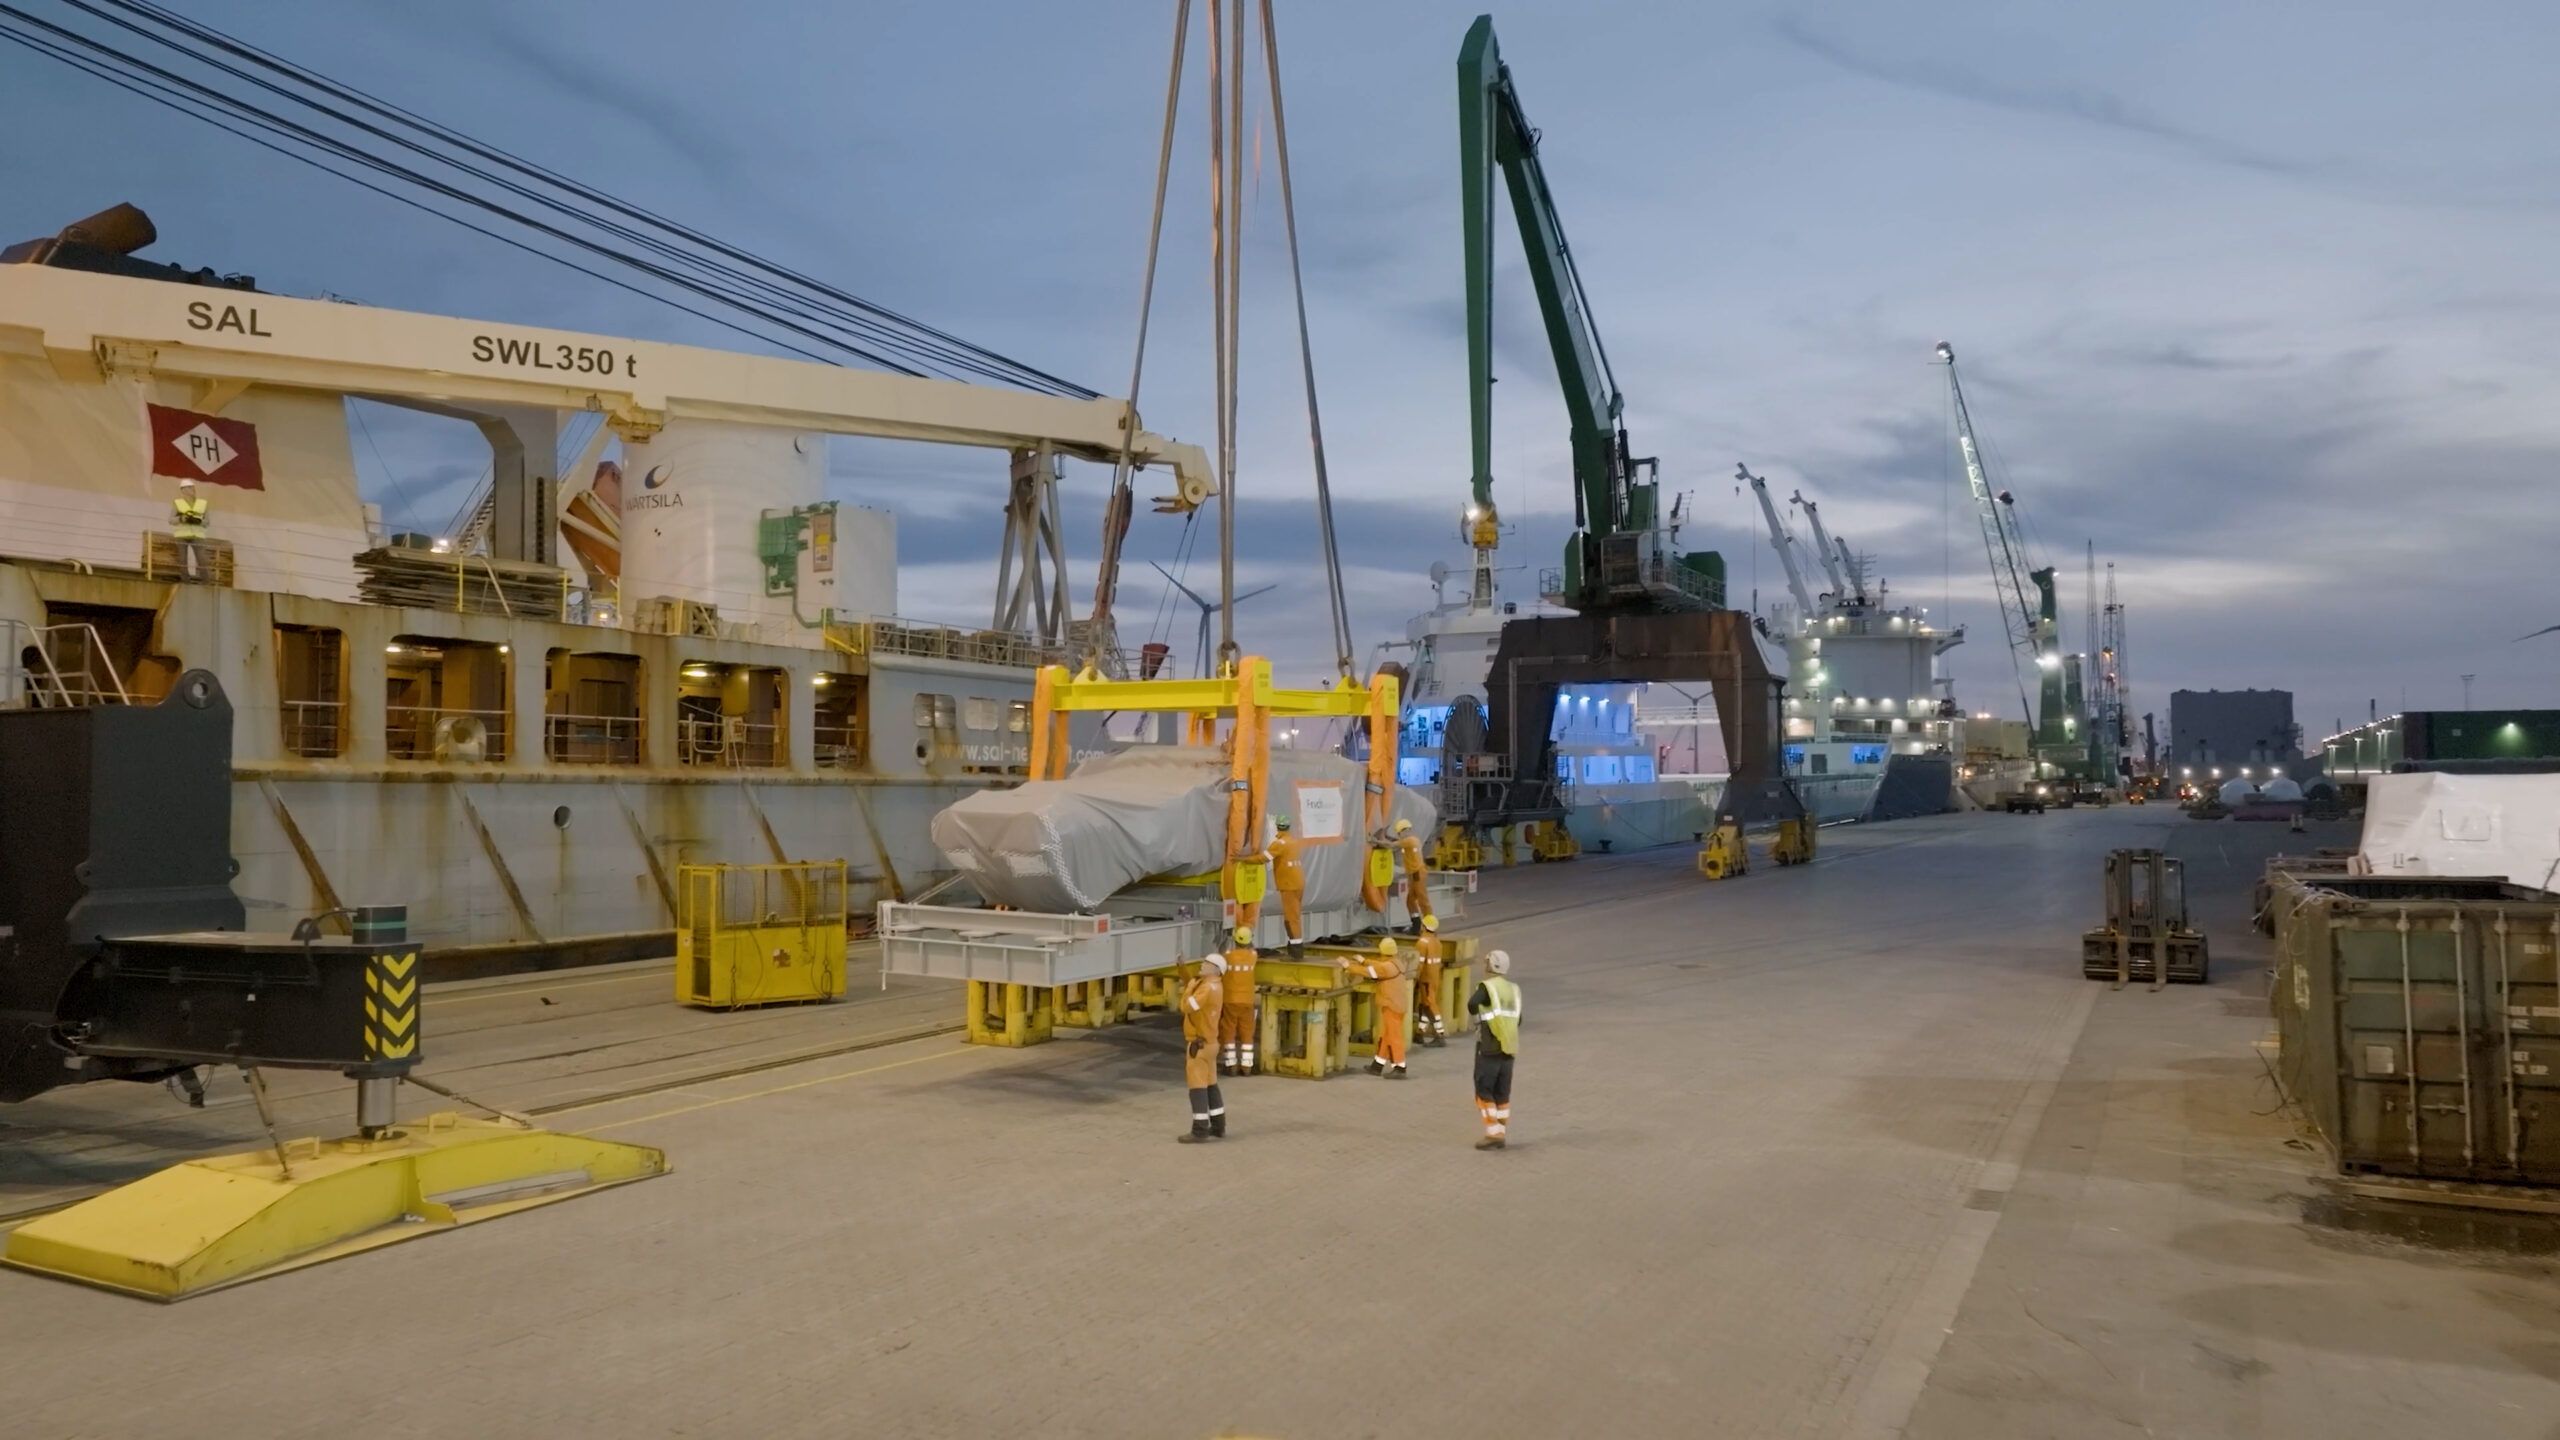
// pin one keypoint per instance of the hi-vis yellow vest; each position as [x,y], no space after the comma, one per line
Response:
[1504,1016]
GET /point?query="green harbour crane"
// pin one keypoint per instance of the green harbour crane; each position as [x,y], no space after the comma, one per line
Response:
[1640,609]
[1624,555]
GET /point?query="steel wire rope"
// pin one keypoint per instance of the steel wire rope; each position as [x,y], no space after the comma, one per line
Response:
[303,134]
[212,115]
[396,487]
[1118,510]
[498,154]
[1306,352]
[955,354]
[300,134]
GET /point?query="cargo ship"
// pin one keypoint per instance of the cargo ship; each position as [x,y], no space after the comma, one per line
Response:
[1622,780]
[1870,729]
[522,749]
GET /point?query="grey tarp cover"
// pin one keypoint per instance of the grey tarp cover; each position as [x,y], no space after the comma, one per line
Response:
[1054,845]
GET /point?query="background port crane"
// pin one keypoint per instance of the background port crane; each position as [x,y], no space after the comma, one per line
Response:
[2035,635]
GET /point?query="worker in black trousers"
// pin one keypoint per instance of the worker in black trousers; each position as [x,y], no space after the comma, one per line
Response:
[1495,1004]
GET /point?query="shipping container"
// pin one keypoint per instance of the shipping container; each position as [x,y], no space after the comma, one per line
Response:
[2419,1021]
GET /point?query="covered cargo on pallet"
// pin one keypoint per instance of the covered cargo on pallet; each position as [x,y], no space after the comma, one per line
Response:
[2419,1022]
[2436,824]
[1157,811]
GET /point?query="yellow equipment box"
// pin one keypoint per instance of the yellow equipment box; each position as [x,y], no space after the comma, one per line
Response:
[760,934]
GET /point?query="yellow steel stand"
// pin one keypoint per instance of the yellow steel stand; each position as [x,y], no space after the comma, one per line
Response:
[1795,842]
[1549,840]
[1306,1029]
[1457,982]
[1725,855]
[1456,849]
[1150,990]
[204,1224]
[1093,1004]
[1010,1014]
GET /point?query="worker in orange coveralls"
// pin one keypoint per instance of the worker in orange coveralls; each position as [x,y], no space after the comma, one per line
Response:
[1395,1001]
[1429,1027]
[1291,881]
[1204,998]
[1235,1017]
[1417,893]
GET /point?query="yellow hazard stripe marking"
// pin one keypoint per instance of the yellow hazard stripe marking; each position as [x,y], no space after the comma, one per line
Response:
[383,1047]
[393,1031]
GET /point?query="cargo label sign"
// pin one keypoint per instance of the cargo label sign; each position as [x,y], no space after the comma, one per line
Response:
[555,356]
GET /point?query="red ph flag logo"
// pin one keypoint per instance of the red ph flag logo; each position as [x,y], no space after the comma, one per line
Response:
[186,445]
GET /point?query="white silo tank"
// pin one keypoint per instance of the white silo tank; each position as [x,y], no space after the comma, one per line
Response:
[693,496]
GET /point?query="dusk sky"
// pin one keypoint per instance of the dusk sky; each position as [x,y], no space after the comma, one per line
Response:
[2260,298]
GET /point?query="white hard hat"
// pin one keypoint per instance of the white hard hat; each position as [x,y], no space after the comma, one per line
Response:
[1498,962]
[1214,961]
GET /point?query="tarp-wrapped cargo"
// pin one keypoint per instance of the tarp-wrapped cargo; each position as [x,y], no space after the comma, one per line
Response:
[1157,810]
[2435,824]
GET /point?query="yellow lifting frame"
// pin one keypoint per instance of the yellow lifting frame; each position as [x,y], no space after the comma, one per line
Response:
[1246,698]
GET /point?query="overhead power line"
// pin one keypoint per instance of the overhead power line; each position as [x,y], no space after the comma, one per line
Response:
[771,297]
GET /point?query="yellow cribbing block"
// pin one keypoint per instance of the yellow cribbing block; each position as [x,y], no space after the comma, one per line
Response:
[1092,1004]
[207,1223]
[1304,1033]
[1152,989]
[1457,981]
[1010,1014]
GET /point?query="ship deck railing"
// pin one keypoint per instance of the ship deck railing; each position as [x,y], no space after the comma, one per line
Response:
[591,739]
[841,747]
[422,732]
[924,641]
[315,729]
[729,740]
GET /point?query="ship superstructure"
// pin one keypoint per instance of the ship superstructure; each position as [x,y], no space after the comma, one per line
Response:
[522,751]
[1862,671]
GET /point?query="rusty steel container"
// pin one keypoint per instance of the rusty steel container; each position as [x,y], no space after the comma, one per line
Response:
[2419,1020]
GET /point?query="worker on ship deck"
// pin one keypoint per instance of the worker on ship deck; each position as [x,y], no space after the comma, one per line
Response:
[1417,893]
[1204,998]
[1235,1015]
[1290,879]
[1395,1002]
[189,512]
[1429,1026]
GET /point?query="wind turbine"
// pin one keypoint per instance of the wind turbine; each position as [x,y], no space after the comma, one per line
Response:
[1208,610]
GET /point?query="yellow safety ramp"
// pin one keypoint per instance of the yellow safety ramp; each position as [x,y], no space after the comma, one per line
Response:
[205,1224]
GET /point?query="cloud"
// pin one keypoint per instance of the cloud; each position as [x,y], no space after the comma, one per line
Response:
[2109,111]
[2312,431]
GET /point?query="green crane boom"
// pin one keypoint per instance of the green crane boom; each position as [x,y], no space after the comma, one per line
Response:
[1622,556]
